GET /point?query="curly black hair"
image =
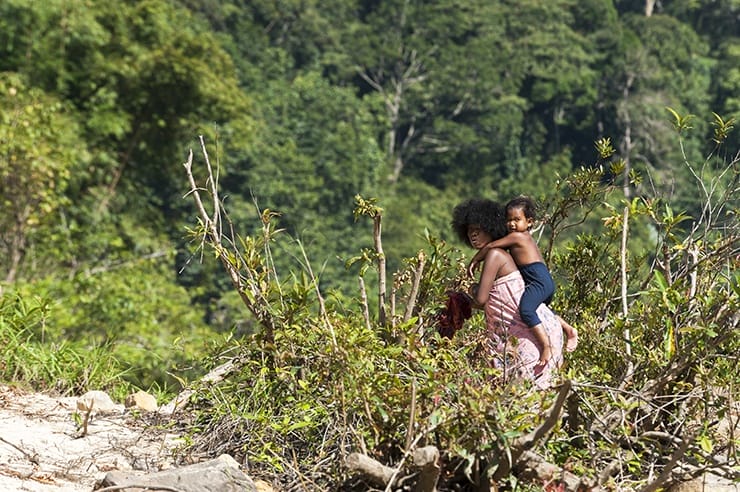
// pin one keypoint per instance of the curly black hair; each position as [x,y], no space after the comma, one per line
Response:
[526,204]
[489,215]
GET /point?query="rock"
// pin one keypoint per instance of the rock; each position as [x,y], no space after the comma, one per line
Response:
[141,400]
[97,402]
[709,483]
[218,475]
[263,486]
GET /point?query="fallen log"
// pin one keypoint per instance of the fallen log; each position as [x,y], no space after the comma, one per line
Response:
[425,461]
[373,470]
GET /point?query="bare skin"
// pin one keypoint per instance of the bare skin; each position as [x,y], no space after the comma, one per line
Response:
[499,263]
[571,334]
[524,250]
[519,242]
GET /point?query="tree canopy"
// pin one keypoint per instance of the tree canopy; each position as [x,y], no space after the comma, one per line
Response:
[327,121]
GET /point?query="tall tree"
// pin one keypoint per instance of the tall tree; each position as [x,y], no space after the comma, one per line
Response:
[145,75]
[661,63]
[465,84]
[315,151]
[40,154]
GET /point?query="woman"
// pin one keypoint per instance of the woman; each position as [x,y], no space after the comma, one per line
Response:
[515,347]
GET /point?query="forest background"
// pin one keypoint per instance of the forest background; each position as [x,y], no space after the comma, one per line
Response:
[306,107]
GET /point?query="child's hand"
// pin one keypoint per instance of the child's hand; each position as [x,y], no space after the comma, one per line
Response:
[477,259]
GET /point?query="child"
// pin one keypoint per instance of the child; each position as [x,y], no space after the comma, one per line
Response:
[540,286]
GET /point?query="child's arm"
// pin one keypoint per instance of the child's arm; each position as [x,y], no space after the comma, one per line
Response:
[505,242]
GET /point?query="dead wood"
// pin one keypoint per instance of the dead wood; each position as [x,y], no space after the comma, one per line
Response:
[526,442]
[426,459]
[244,280]
[214,376]
[533,468]
[376,472]
[414,294]
[665,475]
[32,457]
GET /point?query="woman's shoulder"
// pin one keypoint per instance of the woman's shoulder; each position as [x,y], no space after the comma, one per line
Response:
[497,254]
[502,260]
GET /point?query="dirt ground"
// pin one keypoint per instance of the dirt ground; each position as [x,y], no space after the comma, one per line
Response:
[42,447]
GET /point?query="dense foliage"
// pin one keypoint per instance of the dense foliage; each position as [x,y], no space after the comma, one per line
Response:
[310,109]
[311,103]
[640,403]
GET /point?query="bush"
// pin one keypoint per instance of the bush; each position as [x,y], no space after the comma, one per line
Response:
[638,405]
[34,357]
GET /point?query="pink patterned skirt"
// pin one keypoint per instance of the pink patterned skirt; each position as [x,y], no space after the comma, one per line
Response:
[514,347]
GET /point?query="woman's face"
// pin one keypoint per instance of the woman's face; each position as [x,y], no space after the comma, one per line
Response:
[477,236]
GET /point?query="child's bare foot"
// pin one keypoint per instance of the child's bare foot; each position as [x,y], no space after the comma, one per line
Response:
[570,333]
[572,342]
[544,359]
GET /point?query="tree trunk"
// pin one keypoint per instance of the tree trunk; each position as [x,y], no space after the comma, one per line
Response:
[649,6]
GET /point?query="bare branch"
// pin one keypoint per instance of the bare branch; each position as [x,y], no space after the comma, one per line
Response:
[377,228]
[668,468]
[414,288]
[363,299]
[526,442]
[377,472]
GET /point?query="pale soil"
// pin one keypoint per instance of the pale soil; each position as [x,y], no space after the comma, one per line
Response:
[41,447]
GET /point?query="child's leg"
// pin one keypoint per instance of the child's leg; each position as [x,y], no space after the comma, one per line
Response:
[570,333]
[546,353]
[528,304]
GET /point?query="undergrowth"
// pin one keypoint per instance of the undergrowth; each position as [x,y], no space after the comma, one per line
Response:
[639,404]
[643,403]
[34,358]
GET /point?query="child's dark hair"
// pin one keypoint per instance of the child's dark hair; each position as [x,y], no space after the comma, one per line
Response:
[526,204]
[487,214]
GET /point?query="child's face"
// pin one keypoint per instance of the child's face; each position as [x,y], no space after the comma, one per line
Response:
[516,221]
[477,236]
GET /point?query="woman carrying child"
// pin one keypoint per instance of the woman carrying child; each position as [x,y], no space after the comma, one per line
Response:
[540,287]
[479,222]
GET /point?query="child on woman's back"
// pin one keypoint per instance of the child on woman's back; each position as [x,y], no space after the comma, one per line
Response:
[540,287]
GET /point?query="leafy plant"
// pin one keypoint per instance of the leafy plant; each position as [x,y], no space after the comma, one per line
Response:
[34,357]
[329,383]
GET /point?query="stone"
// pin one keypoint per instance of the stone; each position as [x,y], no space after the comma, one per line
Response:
[142,401]
[263,486]
[97,402]
[709,483]
[218,475]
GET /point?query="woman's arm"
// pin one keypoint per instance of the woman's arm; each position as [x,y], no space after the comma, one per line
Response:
[495,258]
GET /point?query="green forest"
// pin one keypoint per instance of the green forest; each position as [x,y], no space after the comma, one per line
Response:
[267,187]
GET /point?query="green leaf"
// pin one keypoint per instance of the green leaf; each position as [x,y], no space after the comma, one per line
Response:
[705,443]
